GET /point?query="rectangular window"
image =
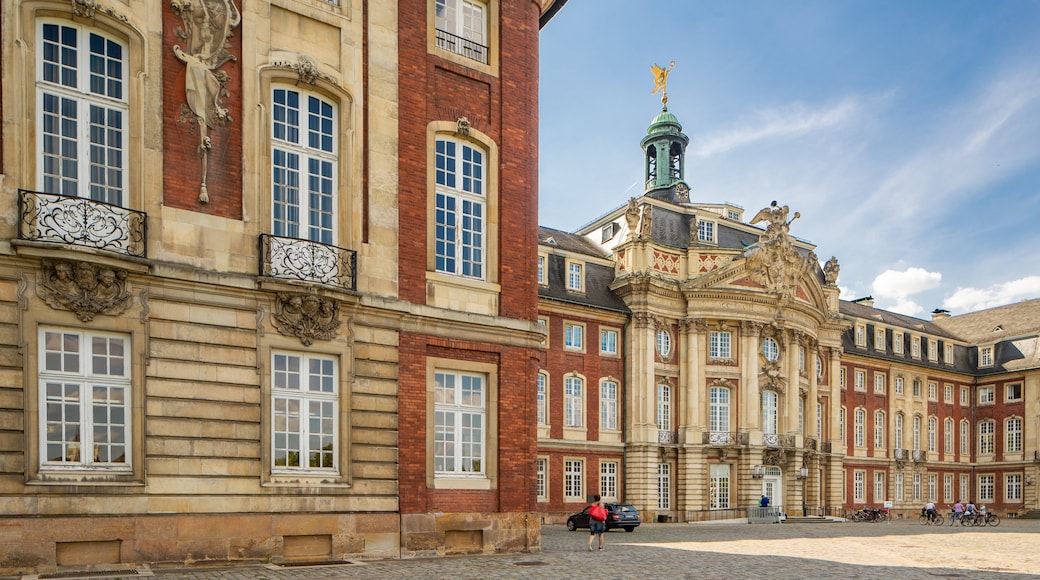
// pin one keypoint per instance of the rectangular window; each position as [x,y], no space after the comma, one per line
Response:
[899,487]
[720,345]
[664,486]
[933,350]
[879,383]
[1013,392]
[1013,435]
[859,486]
[305,412]
[879,486]
[861,380]
[860,418]
[917,487]
[573,401]
[933,428]
[948,394]
[986,445]
[572,478]
[575,279]
[897,342]
[948,487]
[543,399]
[542,275]
[965,492]
[304,161]
[460,208]
[915,347]
[608,471]
[460,410]
[965,440]
[706,231]
[933,487]
[985,356]
[608,342]
[1013,487]
[83,113]
[608,407]
[879,338]
[987,396]
[965,396]
[933,391]
[986,488]
[573,336]
[899,385]
[718,486]
[861,335]
[948,354]
[542,479]
[948,438]
[462,28]
[917,388]
[841,378]
[84,399]
[879,430]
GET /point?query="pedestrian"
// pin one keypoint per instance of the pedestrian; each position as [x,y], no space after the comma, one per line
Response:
[597,521]
[764,502]
[958,512]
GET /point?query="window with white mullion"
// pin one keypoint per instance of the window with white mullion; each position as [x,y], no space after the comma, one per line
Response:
[719,410]
[573,399]
[460,209]
[459,423]
[82,105]
[770,416]
[305,403]
[85,399]
[304,162]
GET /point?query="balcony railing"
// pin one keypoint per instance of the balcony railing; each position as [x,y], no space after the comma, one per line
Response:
[459,45]
[665,436]
[774,440]
[898,453]
[810,443]
[919,455]
[722,438]
[295,259]
[62,219]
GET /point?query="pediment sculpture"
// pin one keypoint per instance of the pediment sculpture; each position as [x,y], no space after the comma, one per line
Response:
[773,261]
[84,288]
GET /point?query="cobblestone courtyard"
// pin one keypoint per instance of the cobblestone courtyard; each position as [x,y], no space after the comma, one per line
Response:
[842,550]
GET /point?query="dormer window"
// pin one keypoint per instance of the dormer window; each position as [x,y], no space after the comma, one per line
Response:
[608,232]
[706,231]
[985,356]
[575,277]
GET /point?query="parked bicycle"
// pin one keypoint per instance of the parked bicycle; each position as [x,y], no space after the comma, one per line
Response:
[980,519]
[931,518]
[869,515]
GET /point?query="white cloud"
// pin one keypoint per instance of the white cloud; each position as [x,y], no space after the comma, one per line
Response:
[794,121]
[973,299]
[895,288]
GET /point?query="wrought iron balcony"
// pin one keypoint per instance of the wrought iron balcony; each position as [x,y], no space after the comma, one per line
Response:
[295,259]
[723,438]
[826,447]
[665,436]
[919,455]
[774,440]
[62,219]
[458,45]
[898,453]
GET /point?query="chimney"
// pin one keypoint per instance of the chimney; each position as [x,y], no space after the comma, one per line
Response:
[940,313]
[867,301]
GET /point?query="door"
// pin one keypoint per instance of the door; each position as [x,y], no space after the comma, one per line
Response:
[772,485]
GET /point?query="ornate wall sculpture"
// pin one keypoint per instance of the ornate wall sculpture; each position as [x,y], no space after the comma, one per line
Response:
[773,261]
[206,30]
[306,316]
[83,288]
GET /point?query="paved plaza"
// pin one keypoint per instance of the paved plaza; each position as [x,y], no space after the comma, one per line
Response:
[897,549]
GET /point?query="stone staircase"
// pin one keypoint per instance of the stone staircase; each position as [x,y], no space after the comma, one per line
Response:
[1030,515]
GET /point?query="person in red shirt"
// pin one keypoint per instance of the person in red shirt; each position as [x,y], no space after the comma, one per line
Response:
[597,521]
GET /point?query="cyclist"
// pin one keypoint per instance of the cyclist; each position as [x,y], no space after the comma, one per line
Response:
[969,510]
[929,510]
[958,512]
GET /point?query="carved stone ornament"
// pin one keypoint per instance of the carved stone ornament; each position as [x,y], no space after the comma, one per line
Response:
[830,271]
[85,289]
[773,457]
[90,8]
[646,223]
[773,261]
[307,69]
[306,316]
[771,377]
[462,127]
[206,30]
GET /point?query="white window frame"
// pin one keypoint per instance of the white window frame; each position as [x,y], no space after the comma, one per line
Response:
[985,356]
[987,437]
[542,479]
[543,398]
[608,480]
[897,342]
[879,429]
[916,441]
[859,486]
[543,269]
[861,335]
[573,480]
[899,485]
[948,487]
[770,349]
[664,407]
[664,343]
[879,338]
[987,487]
[460,208]
[879,383]
[304,393]
[933,487]
[899,385]
[917,487]
[948,437]
[1013,435]
[720,345]
[770,412]
[879,486]
[965,437]
[933,391]
[987,395]
[574,336]
[1013,487]
[460,448]
[706,231]
[915,346]
[83,377]
[719,409]
[1013,392]
[948,393]
[859,427]
[860,380]
[933,350]
[948,353]
[575,276]
[664,486]
[112,103]
[466,19]
[965,396]
[608,405]
[302,158]
[573,401]
[900,418]
[933,434]
[718,486]
[608,341]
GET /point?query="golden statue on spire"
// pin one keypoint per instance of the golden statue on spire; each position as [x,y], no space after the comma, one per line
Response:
[661,80]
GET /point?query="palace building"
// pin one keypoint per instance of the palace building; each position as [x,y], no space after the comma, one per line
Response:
[697,359]
[254,303]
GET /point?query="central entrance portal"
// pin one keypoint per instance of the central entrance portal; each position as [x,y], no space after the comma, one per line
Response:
[773,485]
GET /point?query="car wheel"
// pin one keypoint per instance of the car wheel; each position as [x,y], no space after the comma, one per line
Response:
[571,526]
[630,529]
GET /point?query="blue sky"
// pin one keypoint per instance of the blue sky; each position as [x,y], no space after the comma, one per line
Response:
[905,132]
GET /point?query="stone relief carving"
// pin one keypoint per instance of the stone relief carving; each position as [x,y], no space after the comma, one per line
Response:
[306,316]
[773,261]
[85,289]
[206,30]
[463,127]
[307,68]
[773,457]
[646,223]
[90,8]
[632,217]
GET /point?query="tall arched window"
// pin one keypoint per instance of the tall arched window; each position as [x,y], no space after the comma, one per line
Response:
[879,429]
[461,213]
[573,400]
[933,429]
[899,431]
[917,433]
[859,428]
[543,394]
[664,407]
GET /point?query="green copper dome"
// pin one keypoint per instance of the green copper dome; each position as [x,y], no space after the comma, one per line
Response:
[664,122]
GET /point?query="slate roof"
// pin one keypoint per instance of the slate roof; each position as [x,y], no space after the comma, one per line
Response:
[890,319]
[570,242]
[598,277]
[994,324]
